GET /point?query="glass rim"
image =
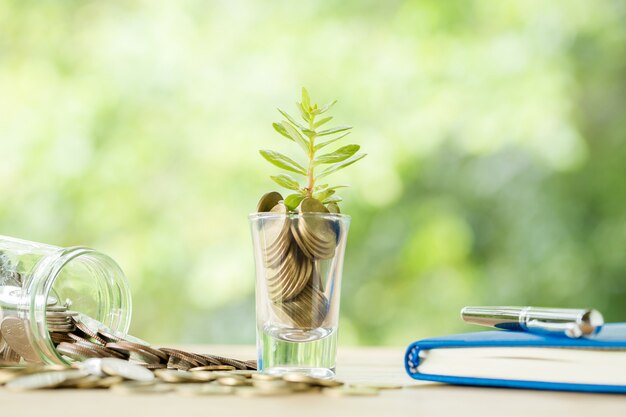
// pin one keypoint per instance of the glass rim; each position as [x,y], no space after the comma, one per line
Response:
[269,215]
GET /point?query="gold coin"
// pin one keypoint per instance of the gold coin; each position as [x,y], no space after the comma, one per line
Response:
[333,208]
[7,374]
[298,281]
[307,310]
[329,383]
[270,384]
[260,376]
[87,382]
[136,352]
[275,253]
[316,277]
[141,348]
[302,387]
[16,337]
[268,201]
[312,205]
[377,385]
[191,360]
[136,387]
[76,352]
[170,375]
[275,231]
[119,367]
[347,391]
[314,232]
[285,268]
[317,230]
[291,278]
[298,377]
[246,373]
[42,380]
[213,368]
[203,389]
[318,235]
[221,374]
[232,381]
[256,392]
[109,381]
[279,262]
[302,244]
[10,356]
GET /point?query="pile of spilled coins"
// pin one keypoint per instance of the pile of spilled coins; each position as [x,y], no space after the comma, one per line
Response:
[124,377]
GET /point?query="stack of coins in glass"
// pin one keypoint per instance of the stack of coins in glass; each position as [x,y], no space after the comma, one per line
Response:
[294,248]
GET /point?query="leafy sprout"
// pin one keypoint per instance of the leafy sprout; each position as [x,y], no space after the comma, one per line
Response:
[311,138]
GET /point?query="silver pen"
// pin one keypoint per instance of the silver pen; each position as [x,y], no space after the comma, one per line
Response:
[568,322]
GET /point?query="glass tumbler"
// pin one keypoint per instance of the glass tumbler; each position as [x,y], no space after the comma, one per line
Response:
[299,263]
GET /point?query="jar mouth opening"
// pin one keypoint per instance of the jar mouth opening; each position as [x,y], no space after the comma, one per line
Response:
[101,279]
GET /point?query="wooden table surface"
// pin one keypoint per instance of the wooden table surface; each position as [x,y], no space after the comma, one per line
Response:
[354,365]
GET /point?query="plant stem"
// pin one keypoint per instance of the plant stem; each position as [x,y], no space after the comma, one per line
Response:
[310,173]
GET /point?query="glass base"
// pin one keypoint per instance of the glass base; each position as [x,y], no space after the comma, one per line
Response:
[310,352]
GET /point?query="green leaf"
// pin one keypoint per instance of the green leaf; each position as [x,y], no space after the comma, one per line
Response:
[292,120]
[324,194]
[339,155]
[325,108]
[332,199]
[292,201]
[322,121]
[334,130]
[306,99]
[304,112]
[335,187]
[282,161]
[280,129]
[286,181]
[340,165]
[328,142]
[297,137]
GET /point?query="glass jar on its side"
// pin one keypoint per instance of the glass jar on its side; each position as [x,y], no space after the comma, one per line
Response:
[39,282]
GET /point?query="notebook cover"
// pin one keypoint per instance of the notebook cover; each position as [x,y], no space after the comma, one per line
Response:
[612,336]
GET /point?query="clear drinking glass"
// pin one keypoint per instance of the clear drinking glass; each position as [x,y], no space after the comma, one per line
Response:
[299,262]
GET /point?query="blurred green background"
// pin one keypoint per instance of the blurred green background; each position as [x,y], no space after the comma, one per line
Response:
[496,134]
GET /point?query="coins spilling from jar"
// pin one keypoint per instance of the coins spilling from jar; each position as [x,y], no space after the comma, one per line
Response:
[78,337]
[293,249]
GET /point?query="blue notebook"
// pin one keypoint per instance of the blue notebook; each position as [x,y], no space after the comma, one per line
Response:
[513,359]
